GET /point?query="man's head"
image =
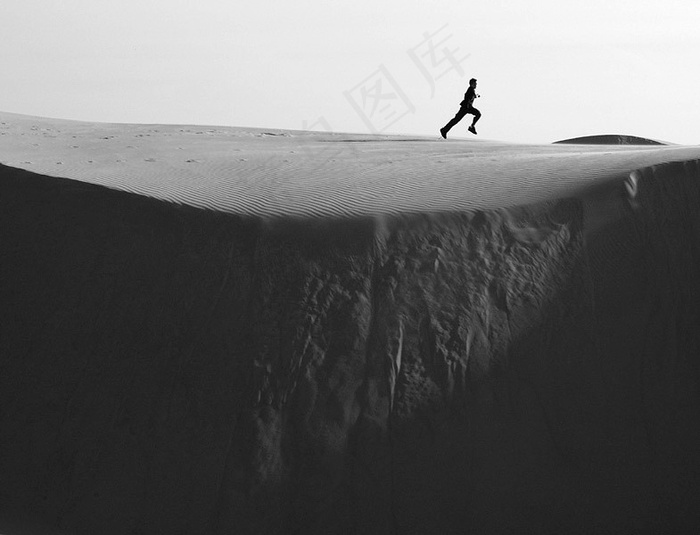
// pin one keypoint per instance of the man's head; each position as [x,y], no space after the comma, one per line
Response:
[472,82]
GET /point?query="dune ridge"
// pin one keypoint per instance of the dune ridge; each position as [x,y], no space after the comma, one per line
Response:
[313,174]
[460,366]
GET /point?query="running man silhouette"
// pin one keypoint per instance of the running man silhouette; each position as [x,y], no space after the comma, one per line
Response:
[465,107]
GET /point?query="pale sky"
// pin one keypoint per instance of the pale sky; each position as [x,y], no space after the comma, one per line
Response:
[546,69]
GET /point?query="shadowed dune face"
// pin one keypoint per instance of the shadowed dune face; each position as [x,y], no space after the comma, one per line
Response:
[531,369]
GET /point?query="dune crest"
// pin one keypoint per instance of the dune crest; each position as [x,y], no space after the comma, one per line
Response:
[314,174]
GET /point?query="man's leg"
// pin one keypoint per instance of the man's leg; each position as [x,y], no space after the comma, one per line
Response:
[477,115]
[457,118]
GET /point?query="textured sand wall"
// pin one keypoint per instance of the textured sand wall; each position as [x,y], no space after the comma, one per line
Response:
[166,369]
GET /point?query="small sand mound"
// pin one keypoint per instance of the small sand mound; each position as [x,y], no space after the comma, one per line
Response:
[612,139]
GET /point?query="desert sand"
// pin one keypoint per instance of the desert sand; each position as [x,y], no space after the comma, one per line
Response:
[233,330]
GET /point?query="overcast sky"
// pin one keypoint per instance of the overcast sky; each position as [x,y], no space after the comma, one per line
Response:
[546,69]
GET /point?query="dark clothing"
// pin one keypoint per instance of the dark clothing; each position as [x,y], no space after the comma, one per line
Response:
[469,97]
[464,110]
[465,107]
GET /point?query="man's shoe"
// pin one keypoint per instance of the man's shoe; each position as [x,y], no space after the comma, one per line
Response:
[443,133]
[472,129]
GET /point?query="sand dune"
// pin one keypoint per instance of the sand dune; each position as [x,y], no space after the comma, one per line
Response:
[612,139]
[358,334]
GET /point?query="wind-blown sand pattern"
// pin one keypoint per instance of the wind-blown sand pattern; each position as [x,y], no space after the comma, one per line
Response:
[358,334]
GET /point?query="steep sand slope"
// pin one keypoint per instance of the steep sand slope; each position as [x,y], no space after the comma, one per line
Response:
[426,364]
